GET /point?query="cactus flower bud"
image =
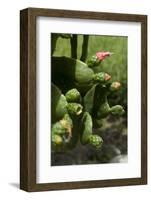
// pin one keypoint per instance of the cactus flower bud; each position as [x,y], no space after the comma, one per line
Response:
[98,57]
[102,55]
[96,141]
[73,95]
[74,108]
[101,77]
[117,110]
[107,77]
[93,61]
[115,86]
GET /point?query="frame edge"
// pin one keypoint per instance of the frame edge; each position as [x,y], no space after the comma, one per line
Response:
[23,99]
[27,58]
[27,101]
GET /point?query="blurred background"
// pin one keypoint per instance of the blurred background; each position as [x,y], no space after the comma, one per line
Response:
[114,129]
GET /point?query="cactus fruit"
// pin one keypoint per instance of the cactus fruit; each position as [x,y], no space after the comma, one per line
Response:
[115,86]
[73,95]
[94,61]
[96,141]
[74,109]
[101,77]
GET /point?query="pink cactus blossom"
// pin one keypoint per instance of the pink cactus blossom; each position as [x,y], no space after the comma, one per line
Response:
[101,55]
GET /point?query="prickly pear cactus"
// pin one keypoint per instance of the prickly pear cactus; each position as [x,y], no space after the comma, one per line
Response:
[80,98]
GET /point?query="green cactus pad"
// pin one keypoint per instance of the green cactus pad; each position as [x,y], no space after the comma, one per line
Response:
[72,68]
[89,99]
[68,73]
[95,101]
[58,104]
[104,110]
[86,129]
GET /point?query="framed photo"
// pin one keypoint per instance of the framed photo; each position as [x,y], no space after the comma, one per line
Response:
[83,93]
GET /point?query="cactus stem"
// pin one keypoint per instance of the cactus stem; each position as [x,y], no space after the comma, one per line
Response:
[73,42]
[84,48]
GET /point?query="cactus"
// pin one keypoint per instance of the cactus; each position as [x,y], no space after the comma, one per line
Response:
[74,108]
[117,110]
[75,73]
[87,137]
[84,48]
[61,133]
[96,102]
[115,86]
[80,98]
[58,103]
[96,59]
[96,141]
[73,95]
